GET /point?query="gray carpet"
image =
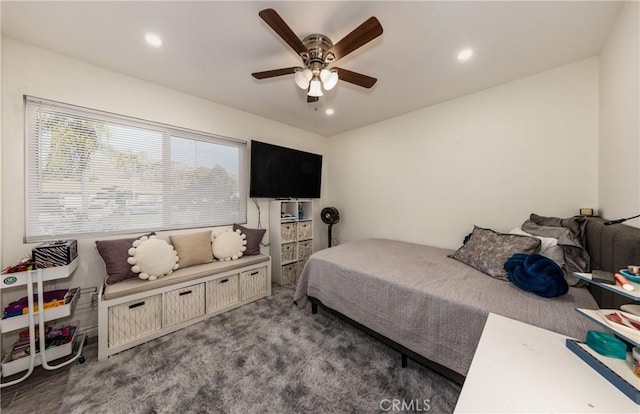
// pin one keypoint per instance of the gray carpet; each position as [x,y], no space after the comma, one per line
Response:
[268,357]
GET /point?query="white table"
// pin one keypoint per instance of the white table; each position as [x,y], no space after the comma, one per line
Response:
[521,368]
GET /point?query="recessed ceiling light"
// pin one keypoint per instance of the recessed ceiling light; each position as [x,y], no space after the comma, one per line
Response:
[153,39]
[465,54]
[329,111]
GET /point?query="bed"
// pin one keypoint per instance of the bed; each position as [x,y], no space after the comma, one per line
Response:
[433,308]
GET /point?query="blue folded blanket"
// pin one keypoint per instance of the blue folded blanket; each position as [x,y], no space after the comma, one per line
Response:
[537,274]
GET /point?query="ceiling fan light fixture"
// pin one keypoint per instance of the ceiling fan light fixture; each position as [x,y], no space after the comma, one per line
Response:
[324,75]
[329,80]
[315,88]
[302,78]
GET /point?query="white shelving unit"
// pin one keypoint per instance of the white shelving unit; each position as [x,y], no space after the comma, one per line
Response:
[28,279]
[616,371]
[290,238]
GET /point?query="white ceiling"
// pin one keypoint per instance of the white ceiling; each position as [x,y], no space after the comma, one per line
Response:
[211,48]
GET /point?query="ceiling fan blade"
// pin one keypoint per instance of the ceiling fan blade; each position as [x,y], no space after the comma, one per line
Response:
[275,72]
[279,26]
[360,36]
[311,99]
[356,78]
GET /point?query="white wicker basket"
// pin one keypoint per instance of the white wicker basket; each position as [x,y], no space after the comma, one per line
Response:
[288,232]
[305,249]
[289,273]
[288,252]
[183,304]
[134,319]
[305,230]
[253,283]
[222,292]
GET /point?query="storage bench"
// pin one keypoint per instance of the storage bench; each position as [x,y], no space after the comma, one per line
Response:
[135,311]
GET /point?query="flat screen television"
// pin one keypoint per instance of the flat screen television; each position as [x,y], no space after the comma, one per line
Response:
[280,172]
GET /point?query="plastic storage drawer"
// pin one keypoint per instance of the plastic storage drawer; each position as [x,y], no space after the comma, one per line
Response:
[289,274]
[183,304]
[134,319]
[305,249]
[288,232]
[222,292]
[288,252]
[253,283]
[305,230]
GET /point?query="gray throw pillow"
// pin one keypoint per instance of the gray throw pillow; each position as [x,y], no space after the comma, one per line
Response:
[254,237]
[576,224]
[115,253]
[487,250]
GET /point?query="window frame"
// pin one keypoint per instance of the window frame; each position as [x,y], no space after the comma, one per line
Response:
[167,133]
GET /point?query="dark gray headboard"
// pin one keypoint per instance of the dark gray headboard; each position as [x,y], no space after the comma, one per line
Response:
[611,248]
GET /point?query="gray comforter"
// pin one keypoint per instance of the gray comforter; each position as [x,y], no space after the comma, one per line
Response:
[418,297]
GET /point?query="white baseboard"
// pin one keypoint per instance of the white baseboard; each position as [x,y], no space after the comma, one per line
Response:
[90,331]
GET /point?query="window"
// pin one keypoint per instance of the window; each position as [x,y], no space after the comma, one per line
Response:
[95,173]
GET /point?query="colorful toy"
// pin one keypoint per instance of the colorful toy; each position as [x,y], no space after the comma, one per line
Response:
[26,263]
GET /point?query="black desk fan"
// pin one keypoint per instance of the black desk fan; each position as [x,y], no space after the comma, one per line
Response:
[330,216]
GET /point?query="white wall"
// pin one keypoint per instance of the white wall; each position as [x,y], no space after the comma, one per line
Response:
[487,159]
[619,158]
[37,72]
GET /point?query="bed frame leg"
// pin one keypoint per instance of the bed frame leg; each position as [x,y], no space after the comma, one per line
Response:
[314,308]
[404,360]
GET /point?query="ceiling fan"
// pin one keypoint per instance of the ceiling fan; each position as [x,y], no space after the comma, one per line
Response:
[318,52]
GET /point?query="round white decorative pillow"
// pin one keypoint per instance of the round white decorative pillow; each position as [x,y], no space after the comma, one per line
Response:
[228,245]
[152,258]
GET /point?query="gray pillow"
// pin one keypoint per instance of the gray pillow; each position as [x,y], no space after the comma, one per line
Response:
[576,224]
[487,250]
[254,237]
[115,253]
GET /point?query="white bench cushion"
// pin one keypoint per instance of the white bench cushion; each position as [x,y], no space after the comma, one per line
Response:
[132,286]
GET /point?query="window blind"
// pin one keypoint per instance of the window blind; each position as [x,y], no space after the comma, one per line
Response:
[92,173]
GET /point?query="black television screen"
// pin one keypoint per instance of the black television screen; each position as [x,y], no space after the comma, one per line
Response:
[279,172]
